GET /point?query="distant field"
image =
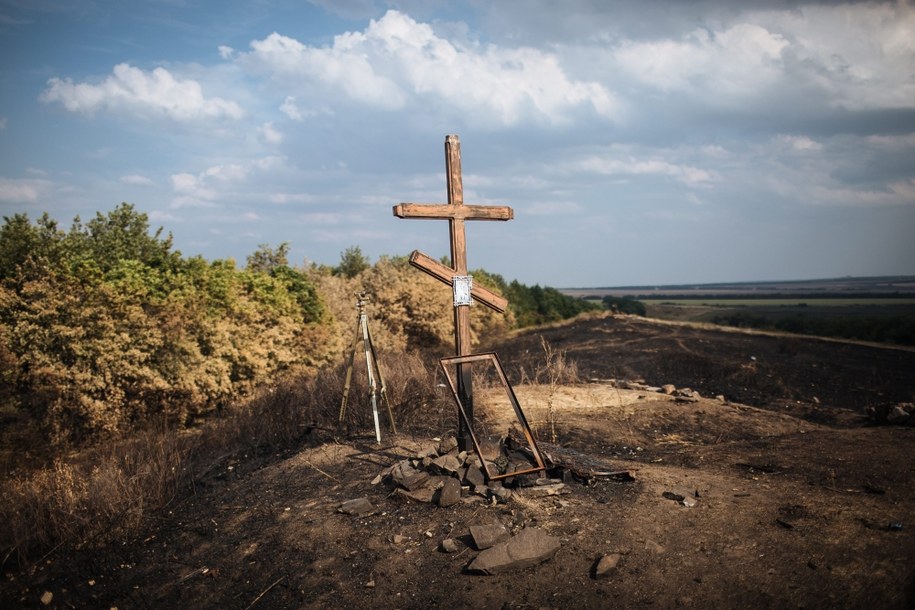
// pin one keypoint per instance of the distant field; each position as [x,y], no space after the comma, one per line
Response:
[846,287]
[785,302]
[880,309]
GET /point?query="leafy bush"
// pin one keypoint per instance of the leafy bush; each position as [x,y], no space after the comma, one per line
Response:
[105,327]
[533,305]
[624,305]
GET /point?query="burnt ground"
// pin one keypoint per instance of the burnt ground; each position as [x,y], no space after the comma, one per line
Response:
[800,500]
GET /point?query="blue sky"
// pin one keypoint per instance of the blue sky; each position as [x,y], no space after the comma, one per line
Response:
[639,142]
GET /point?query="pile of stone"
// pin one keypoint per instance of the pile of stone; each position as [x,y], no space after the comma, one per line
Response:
[445,476]
[680,394]
[900,414]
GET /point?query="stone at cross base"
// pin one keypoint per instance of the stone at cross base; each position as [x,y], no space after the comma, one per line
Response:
[456,212]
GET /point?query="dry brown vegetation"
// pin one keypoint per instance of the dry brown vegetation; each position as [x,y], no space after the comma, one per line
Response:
[114,490]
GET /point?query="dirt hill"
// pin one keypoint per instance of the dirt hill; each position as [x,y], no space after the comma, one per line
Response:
[767,487]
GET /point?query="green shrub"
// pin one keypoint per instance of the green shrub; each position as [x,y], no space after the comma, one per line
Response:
[624,305]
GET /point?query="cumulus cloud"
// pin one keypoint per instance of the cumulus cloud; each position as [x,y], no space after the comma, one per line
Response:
[736,61]
[855,56]
[23,190]
[218,183]
[291,109]
[861,55]
[134,91]
[226,52]
[396,61]
[269,133]
[136,180]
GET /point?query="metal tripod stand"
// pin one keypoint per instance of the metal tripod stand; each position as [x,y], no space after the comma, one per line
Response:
[371,363]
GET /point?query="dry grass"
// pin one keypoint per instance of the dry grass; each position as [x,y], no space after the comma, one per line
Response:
[111,492]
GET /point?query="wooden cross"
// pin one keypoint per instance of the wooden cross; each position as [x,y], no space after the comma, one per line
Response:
[456,212]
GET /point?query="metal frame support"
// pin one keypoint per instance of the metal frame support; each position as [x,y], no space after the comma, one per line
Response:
[457,361]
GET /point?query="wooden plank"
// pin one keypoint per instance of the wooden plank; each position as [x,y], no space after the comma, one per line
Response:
[448,212]
[446,274]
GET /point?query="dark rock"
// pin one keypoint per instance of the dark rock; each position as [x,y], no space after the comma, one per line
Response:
[446,464]
[898,415]
[685,499]
[485,536]
[427,452]
[529,548]
[606,565]
[447,444]
[542,491]
[408,477]
[448,545]
[501,494]
[360,507]
[449,493]
[474,477]
[423,494]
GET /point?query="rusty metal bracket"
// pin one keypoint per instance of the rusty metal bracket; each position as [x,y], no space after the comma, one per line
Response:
[445,363]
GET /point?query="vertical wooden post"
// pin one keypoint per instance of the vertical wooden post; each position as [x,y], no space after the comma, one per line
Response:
[459,264]
[456,213]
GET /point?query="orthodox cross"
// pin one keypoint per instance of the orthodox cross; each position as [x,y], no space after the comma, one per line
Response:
[456,212]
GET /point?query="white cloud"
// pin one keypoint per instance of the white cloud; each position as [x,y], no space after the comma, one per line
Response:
[192,191]
[282,198]
[861,55]
[137,180]
[622,165]
[340,66]
[737,61]
[290,109]
[226,52]
[397,61]
[160,216]
[269,133]
[23,191]
[799,143]
[219,183]
[134,91]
